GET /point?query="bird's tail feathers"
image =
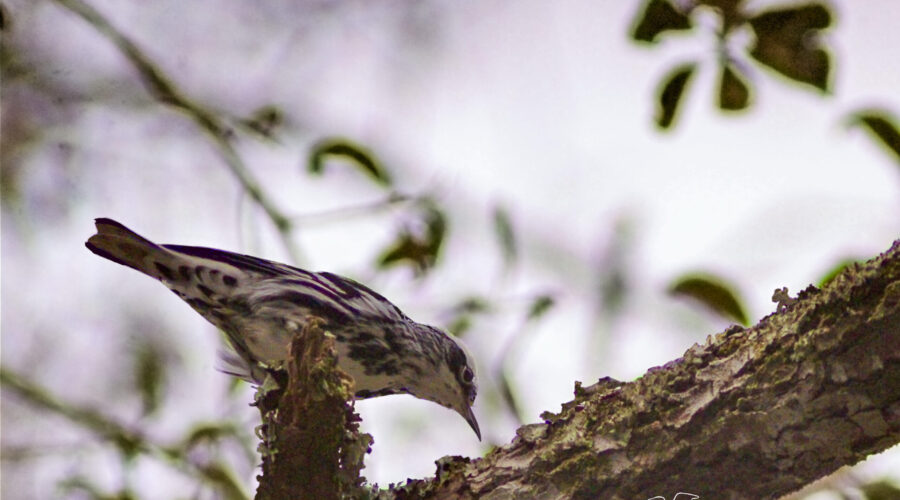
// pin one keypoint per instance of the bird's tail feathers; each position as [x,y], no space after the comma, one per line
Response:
[119,244]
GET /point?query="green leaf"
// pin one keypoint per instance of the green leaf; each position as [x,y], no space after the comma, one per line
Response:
[223,479]
[464,313]
[882,126]
[472,304]
[418,250]
[208,432]
[883,489]
[149,375]
[659,16]
[506,236]
[508,393]
[265,121]
[345,149]
[540,305]
[787,41]
[734,94]
[82,487]
[459,325]
[670,95]
[835,270]
[714,293]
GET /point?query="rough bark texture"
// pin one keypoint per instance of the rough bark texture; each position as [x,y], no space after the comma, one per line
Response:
[751,414]
[311,444]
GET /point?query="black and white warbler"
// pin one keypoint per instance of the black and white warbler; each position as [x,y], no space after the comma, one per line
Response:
[259,304]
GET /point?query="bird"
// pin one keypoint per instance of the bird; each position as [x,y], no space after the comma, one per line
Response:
[259,304]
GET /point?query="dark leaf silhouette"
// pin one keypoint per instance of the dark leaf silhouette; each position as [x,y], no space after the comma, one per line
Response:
[464,313]
[149,375]
[734,93]
[345,149]
[418,248]
[881,125]
[712,292]
[671,94]
[506,235]
[787,41]
[659,16]
[540,305]
[881,490]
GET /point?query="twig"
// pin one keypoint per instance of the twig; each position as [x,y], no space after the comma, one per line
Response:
[129,442]
[163,90]
[362,209]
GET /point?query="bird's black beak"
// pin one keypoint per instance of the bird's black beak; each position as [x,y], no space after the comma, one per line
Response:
[469,415]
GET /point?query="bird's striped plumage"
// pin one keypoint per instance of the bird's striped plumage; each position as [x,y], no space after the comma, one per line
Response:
[260,304]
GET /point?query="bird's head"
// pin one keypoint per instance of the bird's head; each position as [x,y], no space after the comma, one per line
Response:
[453,383]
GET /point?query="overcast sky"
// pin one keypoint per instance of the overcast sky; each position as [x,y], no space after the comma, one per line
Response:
[542,107]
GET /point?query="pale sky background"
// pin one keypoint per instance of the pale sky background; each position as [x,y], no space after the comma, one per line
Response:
[543,107]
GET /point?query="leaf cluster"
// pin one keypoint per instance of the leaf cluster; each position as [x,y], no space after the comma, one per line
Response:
[786,39]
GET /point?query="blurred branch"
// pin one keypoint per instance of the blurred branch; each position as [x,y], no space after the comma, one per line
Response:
[127,441]
[362,209]
[312,447]
[539,306]
[165,91]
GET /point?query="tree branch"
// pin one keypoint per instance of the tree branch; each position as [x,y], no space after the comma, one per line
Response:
[127,441]
[312,446]
[166,92]
[752,413]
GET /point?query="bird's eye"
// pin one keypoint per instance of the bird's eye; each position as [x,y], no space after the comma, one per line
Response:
[466,375]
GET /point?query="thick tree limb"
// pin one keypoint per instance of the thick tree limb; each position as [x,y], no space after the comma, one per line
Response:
[753,413]
[312,447]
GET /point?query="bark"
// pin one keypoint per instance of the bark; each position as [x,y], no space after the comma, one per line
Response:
[311,445]
[752,413]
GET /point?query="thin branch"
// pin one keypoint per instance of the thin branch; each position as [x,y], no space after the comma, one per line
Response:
[128,441]
[165,91]
[362,209]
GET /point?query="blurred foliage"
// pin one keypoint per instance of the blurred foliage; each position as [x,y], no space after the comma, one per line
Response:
[673,87]
[659,16]
[358,155]
[506,235]
[785,38]
[734,91]
[265,121]
[883,126]
[837,269]
[35,104]
[418,244]
[464,313]
[150,375]
[5,20]
[83,487]
[713,292]
[788,41]
[881,490]
[612,282]
[539,306]
[131,444]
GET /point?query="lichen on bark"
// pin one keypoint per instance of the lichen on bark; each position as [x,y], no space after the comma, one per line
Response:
[311,446]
